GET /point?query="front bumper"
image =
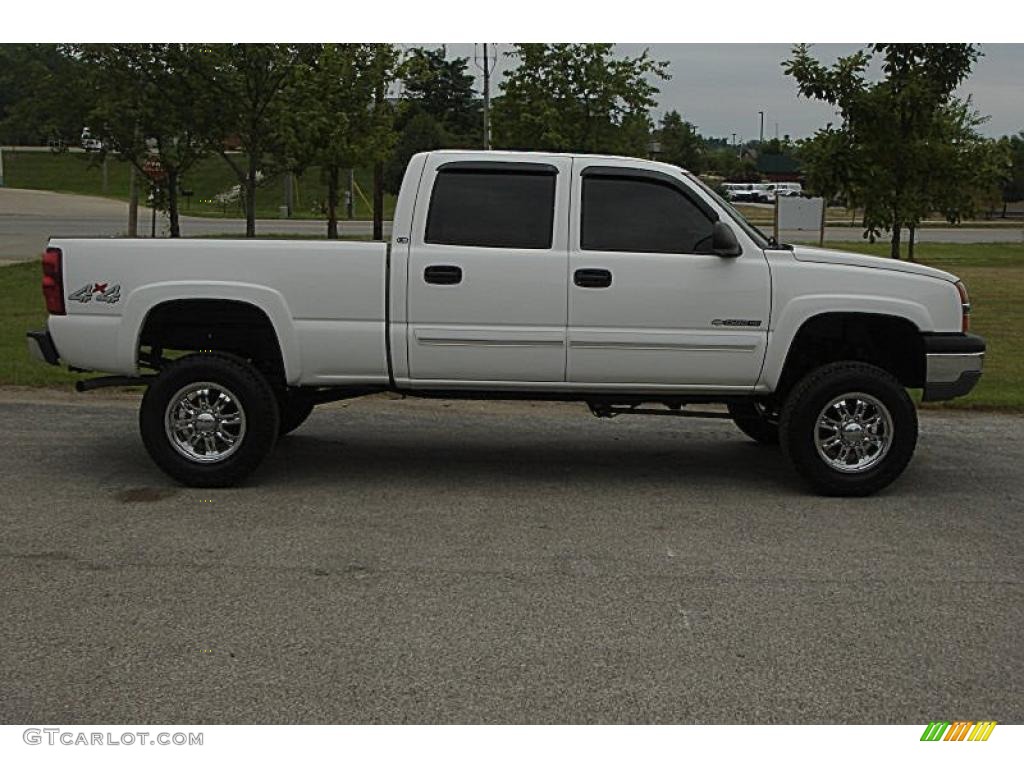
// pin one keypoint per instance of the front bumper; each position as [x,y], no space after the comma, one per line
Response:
[953,364]
[41,347]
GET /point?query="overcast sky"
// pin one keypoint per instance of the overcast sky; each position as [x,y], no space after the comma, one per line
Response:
[721,88]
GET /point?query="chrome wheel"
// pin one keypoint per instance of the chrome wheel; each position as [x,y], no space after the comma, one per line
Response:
[853,432]
[205,422]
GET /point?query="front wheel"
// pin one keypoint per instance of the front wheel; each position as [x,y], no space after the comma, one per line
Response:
[848,428]
[209,420]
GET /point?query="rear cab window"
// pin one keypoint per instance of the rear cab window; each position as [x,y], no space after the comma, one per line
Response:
[492,205]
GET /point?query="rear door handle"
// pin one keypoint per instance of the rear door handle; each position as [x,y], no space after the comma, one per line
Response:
[443,274]
[592,278]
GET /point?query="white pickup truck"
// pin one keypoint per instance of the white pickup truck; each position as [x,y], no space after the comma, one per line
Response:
[622,283]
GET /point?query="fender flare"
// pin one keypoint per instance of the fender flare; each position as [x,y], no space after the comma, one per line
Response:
[800,311]
[141,301]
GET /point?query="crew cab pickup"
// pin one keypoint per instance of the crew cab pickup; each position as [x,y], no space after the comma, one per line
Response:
[625,284]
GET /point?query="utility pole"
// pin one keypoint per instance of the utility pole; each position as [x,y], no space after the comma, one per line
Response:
[378,168]
[760,140]
[486,65]
[289,187]
[1,166]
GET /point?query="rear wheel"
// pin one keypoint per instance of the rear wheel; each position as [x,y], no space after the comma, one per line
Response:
[755,421]
[209,420]
[849,429]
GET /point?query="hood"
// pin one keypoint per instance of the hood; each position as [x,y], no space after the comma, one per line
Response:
[825,256]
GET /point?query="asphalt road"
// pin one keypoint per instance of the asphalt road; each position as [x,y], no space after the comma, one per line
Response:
[426,561]
[29,217]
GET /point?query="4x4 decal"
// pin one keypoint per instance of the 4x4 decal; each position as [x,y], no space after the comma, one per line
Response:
[109,294]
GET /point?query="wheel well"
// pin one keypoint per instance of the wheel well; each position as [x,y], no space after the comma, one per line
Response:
[221,325]
[891,343]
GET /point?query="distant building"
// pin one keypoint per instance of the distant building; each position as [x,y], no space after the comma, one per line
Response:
[779,168]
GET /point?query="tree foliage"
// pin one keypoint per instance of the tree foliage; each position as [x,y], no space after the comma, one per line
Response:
[42,94]
[438,109]
[679,143]
[333,121]
[442,88]
[1012,187]
[904,141]
[577,98]
[250,91]
[149,110]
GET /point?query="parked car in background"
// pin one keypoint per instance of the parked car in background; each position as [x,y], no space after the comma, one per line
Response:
[740,192]
[764,193]
[89,142]
[787,188]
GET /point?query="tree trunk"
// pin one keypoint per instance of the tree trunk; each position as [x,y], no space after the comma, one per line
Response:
[897,231]
[333,178]
[172,203]
[250,197]
[910,241]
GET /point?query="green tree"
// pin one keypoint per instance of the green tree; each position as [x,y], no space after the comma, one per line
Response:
[442,88]
[577,98]
[679,143]
[149,112]
[251,92]
[438,109]
[42,94]
[421,133]
[334,122]
[881,156]
[965,169]
[1012,187]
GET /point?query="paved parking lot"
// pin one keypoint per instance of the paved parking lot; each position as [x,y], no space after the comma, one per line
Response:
[426,561]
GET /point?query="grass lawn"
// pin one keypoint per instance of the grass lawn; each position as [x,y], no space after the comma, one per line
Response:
[22,311]
[994,273]
[79,173]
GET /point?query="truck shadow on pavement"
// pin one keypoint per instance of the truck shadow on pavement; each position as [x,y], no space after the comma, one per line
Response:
[450,460]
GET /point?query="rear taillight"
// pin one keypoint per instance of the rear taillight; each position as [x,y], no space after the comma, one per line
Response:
[53,281]
[965,306]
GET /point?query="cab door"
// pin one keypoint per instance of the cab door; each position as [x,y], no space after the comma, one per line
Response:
[650,306]
[487,272]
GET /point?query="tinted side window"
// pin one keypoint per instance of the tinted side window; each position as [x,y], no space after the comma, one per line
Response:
[633,214]
[492,209]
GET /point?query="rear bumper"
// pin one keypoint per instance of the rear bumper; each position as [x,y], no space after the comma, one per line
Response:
[41,347]
[953,364]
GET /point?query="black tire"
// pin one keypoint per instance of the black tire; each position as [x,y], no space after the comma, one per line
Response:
[800,432]
[752,421]
[254,438]
[295,408]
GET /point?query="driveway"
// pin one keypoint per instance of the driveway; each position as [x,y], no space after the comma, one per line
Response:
[431,561]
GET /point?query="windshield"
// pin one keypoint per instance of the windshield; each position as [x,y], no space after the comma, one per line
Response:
[755,234]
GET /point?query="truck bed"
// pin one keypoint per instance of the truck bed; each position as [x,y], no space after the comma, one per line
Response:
[325,298]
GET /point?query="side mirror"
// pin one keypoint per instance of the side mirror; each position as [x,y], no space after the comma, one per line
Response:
[724,242]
